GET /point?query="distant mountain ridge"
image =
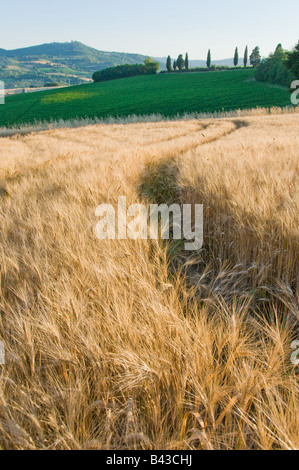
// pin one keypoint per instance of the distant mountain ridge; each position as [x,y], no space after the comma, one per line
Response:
[66,63]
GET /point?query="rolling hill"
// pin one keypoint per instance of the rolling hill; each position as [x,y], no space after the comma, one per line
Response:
[64,63]
[67,63]
[165,94]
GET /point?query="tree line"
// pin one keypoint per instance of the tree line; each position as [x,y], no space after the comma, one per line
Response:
[149,67]
[183,64]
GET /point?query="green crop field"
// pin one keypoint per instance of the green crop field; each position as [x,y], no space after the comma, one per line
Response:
[167,94]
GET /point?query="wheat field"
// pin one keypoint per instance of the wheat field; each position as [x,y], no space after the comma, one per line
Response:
[137,344]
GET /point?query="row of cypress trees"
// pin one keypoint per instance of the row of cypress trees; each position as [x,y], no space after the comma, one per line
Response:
[181,64]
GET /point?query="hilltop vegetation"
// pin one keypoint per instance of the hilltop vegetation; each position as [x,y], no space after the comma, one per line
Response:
[168,95]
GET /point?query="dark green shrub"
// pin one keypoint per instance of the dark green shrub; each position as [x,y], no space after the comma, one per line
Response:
[122,71]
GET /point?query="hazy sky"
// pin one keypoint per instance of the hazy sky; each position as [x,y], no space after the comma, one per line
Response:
[153,27]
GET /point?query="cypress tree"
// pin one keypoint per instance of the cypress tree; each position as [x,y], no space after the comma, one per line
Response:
[168,64]
[246,56]
[174,65]
[255,57]
[279,52]
[209,59]
[180,62]
[279,47]
[236,57]
[187,61]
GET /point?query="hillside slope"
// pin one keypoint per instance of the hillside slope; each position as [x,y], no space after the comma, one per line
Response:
[164,94]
